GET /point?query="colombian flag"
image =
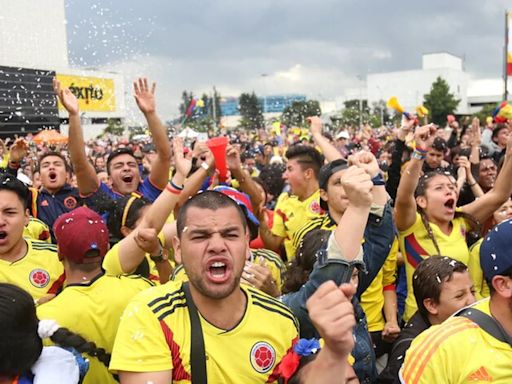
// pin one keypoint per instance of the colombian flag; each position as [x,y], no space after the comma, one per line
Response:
[509,43]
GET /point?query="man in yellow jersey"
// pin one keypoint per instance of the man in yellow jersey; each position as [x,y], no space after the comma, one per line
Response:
[475,345]
[30,264]
[91,303]
[301,204]
[242,333]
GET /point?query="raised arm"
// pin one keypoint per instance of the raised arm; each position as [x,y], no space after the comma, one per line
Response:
[84,170]
[145,99]
[482,208]
[405,204]
[330,152]
[144,239]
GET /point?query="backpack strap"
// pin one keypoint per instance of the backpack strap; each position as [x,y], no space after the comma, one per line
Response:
[487,323]
[197,350]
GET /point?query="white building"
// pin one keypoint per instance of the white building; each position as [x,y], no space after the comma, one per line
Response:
[410,86]
[33,51]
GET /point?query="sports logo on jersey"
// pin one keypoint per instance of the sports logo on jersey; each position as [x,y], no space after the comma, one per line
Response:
[263,357]
[480,374]
[70,202]
[315,207]
[39,278]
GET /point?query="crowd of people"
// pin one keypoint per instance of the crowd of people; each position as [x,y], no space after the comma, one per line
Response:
[370,255]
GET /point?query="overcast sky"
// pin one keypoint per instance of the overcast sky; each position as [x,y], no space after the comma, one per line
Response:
[313,47]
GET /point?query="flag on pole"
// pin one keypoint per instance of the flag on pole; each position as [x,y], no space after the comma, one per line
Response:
[509,43]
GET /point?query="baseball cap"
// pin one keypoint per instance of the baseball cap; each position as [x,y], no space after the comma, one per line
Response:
[326,172]
[495,254]
[342,135]
[242,199]
[78,232]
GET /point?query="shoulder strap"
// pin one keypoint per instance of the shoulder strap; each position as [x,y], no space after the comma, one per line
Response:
[197,350]
[487,323]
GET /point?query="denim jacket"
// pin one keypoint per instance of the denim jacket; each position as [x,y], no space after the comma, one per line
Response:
[379,235]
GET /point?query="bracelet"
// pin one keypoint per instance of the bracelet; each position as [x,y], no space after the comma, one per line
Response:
[472,185]
[421,150]
[176,187]
[171,189]
[418,155]
[378,180]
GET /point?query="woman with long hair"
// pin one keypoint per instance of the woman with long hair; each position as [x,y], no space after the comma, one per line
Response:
[428,221]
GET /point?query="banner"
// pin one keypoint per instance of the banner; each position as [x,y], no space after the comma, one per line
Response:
[94,94]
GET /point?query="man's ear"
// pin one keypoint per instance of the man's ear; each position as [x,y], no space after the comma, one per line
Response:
[431,306]
[503,286]
[309,173]
[176,244]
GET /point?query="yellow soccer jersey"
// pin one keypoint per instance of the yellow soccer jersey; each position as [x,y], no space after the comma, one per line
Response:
[475,270]
[372,300]
[416,245]
[37,230]
[291,214]
[154,335]
[94,310]
[272,261]
[457,351]
[39,272]
[323,221]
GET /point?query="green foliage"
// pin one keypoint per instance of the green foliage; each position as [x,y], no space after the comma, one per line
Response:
[114,127]
[250,111]
[297,113]
[440,102]
[203,117]
[136,130]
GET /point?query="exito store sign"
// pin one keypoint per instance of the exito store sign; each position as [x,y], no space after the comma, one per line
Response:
[94,94]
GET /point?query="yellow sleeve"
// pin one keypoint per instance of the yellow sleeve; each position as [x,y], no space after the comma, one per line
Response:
[140,338]
[389,267]
[111,263]
[475,271]
[278,228]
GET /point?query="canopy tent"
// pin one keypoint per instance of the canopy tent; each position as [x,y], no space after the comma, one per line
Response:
[50,136]
[188,133]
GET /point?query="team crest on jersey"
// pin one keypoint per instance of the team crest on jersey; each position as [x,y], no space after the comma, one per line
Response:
[39,278]
[70,202]
[263,357]
[315,207]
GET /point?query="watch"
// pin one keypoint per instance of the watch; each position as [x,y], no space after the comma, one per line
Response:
[159,258]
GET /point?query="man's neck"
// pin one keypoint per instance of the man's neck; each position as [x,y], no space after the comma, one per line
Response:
[224,313]
[308,191]
[16,253]
[74,276]
[501,311]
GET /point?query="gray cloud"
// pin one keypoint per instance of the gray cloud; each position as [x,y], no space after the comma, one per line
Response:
[312,47]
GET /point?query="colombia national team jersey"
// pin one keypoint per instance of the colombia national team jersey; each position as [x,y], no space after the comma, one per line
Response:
[39,272]
[154,335]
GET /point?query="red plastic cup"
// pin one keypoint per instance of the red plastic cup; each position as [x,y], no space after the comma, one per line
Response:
[218,147]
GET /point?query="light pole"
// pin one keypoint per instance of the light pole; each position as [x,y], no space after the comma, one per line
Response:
[360,78]
[264,75]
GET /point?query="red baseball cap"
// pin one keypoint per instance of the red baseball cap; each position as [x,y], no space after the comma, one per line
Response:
[78,232]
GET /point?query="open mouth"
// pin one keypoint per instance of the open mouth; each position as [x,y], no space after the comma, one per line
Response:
[218,269]
[127,178]
[3,235]
[450,203]
[52,176]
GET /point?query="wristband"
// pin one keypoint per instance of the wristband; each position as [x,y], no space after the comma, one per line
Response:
[172,190]
[421,150]
[472,185]
[378,180]
[418,155]
[176,187]
[158,258]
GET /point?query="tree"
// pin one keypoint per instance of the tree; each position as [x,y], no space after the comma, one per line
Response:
[203,116]
[487,110]
[250,111]
[296,114]
[440,102]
